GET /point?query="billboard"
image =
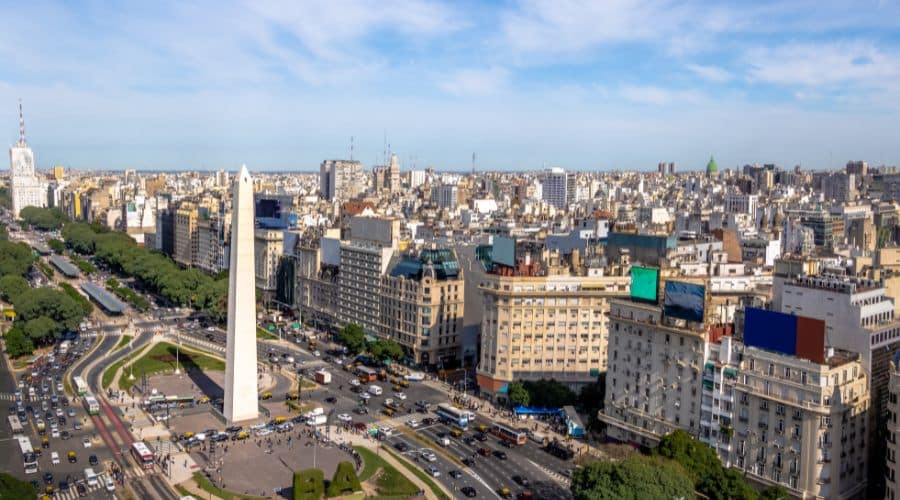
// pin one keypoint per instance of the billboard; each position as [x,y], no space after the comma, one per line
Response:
[644,283]
[684,301]
[504,251]
[785,333]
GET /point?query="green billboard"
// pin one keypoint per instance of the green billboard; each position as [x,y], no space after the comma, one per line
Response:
[644,283]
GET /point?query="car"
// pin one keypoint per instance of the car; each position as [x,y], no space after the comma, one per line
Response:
[48,478]
[93,460]
[70,413]
[427,454]
[331,400]
[54,458]
[361,410]
[109,484]
[401,446]
[428,421]
[62,420]
[77,425]
[481,437]
[400,395]
[455,473]
[504,492]
[317,354]
[500,454]
[344,417]
[233,429]
[63,485]
[413,423]
[59,387]
[81,488]
[86,442]
[469,491]
[64,435]
[73,458]
[54,432]
[45,443]
[433,471]
[365,395]
[485,452]
[263,432]
[521,480]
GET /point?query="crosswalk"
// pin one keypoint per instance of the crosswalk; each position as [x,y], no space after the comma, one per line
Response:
[5,396]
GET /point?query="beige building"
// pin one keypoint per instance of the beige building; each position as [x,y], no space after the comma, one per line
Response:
[892,488]
[548,326]
[363,262]
[186,234]
[422,300]
[316,279]
[268,247]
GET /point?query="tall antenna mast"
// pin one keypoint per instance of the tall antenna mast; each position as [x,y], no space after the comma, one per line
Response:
[21,124]
[473,163]
[384,149]
[351,148]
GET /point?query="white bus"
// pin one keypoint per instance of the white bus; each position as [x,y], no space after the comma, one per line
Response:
[28,457]
[142,454]
[448,414]
[81,387]
[15,426]
[91,405]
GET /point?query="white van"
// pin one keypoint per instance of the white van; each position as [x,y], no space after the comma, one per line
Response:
[375,390]
[54,458]
[91,477]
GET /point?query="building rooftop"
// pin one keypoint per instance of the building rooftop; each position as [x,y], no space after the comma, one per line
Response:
[107,301]
[849,285]
[64,266]
[442,260]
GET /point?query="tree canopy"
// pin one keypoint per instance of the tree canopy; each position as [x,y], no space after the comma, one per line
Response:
[45,312]
[549,393]
[56,245]
[518,394]
[353,337]
[637,477]
[11,286]
[13,488]
[17,343]
[44,219]
[15,258]
[383,349]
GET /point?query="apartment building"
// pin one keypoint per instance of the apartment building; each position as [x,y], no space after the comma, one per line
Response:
[213,242]
[544,326]
[185,232]
[316,269]
[342,180]
[268,246]
[422,305]
[803,424]
[891,476]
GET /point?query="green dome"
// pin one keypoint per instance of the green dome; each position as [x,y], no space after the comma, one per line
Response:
[711,167]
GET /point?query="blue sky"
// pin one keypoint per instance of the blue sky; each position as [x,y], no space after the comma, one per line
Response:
[612,84]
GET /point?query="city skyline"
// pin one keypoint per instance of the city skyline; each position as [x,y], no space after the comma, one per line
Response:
[595,86]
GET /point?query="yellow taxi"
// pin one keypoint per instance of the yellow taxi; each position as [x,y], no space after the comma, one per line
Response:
[266,395]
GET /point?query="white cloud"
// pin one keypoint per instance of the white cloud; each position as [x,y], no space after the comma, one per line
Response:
[477,82]
[711,73]
[658,96]
[822,64]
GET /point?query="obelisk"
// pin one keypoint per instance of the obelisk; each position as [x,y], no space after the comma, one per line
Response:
[241,403]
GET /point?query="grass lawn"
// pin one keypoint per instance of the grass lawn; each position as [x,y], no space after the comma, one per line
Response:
[124,342]
[261,333]
[161,359]
[390,482]
[110,372]
[182,491]
[424,477]
[204,484]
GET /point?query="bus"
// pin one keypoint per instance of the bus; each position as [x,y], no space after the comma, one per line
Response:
[28,457]
[15,426]
[455,416]
[366,374]
[81,387]
[91,405]
[142,454]
[509,434]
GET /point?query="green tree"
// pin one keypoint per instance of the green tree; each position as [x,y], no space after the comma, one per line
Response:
[704,467]
[41,330]
[80,237]
[775,493]
[44,219]
[308,484]
[353,337]
[86,306]
[383,349]
[50,302]
[549,393]
[637,477]
[56,245]
[590,401]
[12,488]
[4,234]
[112,283]
[344,481]
[15,258]
[518,394]
[12,285]
[18,344]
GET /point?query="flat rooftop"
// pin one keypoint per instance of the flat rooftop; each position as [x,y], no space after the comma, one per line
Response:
[64,266]
[104,298]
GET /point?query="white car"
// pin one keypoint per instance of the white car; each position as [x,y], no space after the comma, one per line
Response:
[433,471]
[427,454]
[59,387]
[413,423]
[344,417]
[354,382]
[400,395]
[365,395]
[317,354]
[111,486]
[86,442]
[54,458]
[264,432]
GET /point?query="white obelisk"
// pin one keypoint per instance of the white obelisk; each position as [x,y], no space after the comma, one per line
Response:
[240,360]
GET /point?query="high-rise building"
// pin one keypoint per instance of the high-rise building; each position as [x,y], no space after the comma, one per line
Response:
[556,187]
[214,241]
[858,168]
[892,435]
[268,247]
[445,196]
[185,231]
[342,180]
[26,188]
[58,172]
[740,203]
[241,395]
[416,178]
[363,262]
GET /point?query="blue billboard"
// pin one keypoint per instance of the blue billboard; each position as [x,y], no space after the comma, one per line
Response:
[770,330]
[684,301]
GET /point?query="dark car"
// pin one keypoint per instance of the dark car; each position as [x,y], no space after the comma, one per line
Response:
[500,454]
[63,485]
[65,435]
[481,437]
[81,489]
[506,444]
[331,400]
[468,491]
[234,428]
[48,478]
[468,461]
[427,421]
[469,440]
[455,474]
[93,460]
[521,481]
[401,446]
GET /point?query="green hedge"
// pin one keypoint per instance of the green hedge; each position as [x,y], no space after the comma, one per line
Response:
[344,480]
[309,484]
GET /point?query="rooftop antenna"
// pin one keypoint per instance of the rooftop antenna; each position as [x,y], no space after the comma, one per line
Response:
[21,124]
[384,149]
[473,163]
[351,148]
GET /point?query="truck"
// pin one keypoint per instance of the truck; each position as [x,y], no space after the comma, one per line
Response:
[316,420]
[315,412]
[64,347]
[323,377]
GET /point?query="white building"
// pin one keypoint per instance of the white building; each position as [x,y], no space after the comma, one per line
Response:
[740,203]
[26,189]
[342,180]
[445,196]
[555,187]
[416,178]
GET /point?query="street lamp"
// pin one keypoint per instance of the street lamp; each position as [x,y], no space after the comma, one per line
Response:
[177,349]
